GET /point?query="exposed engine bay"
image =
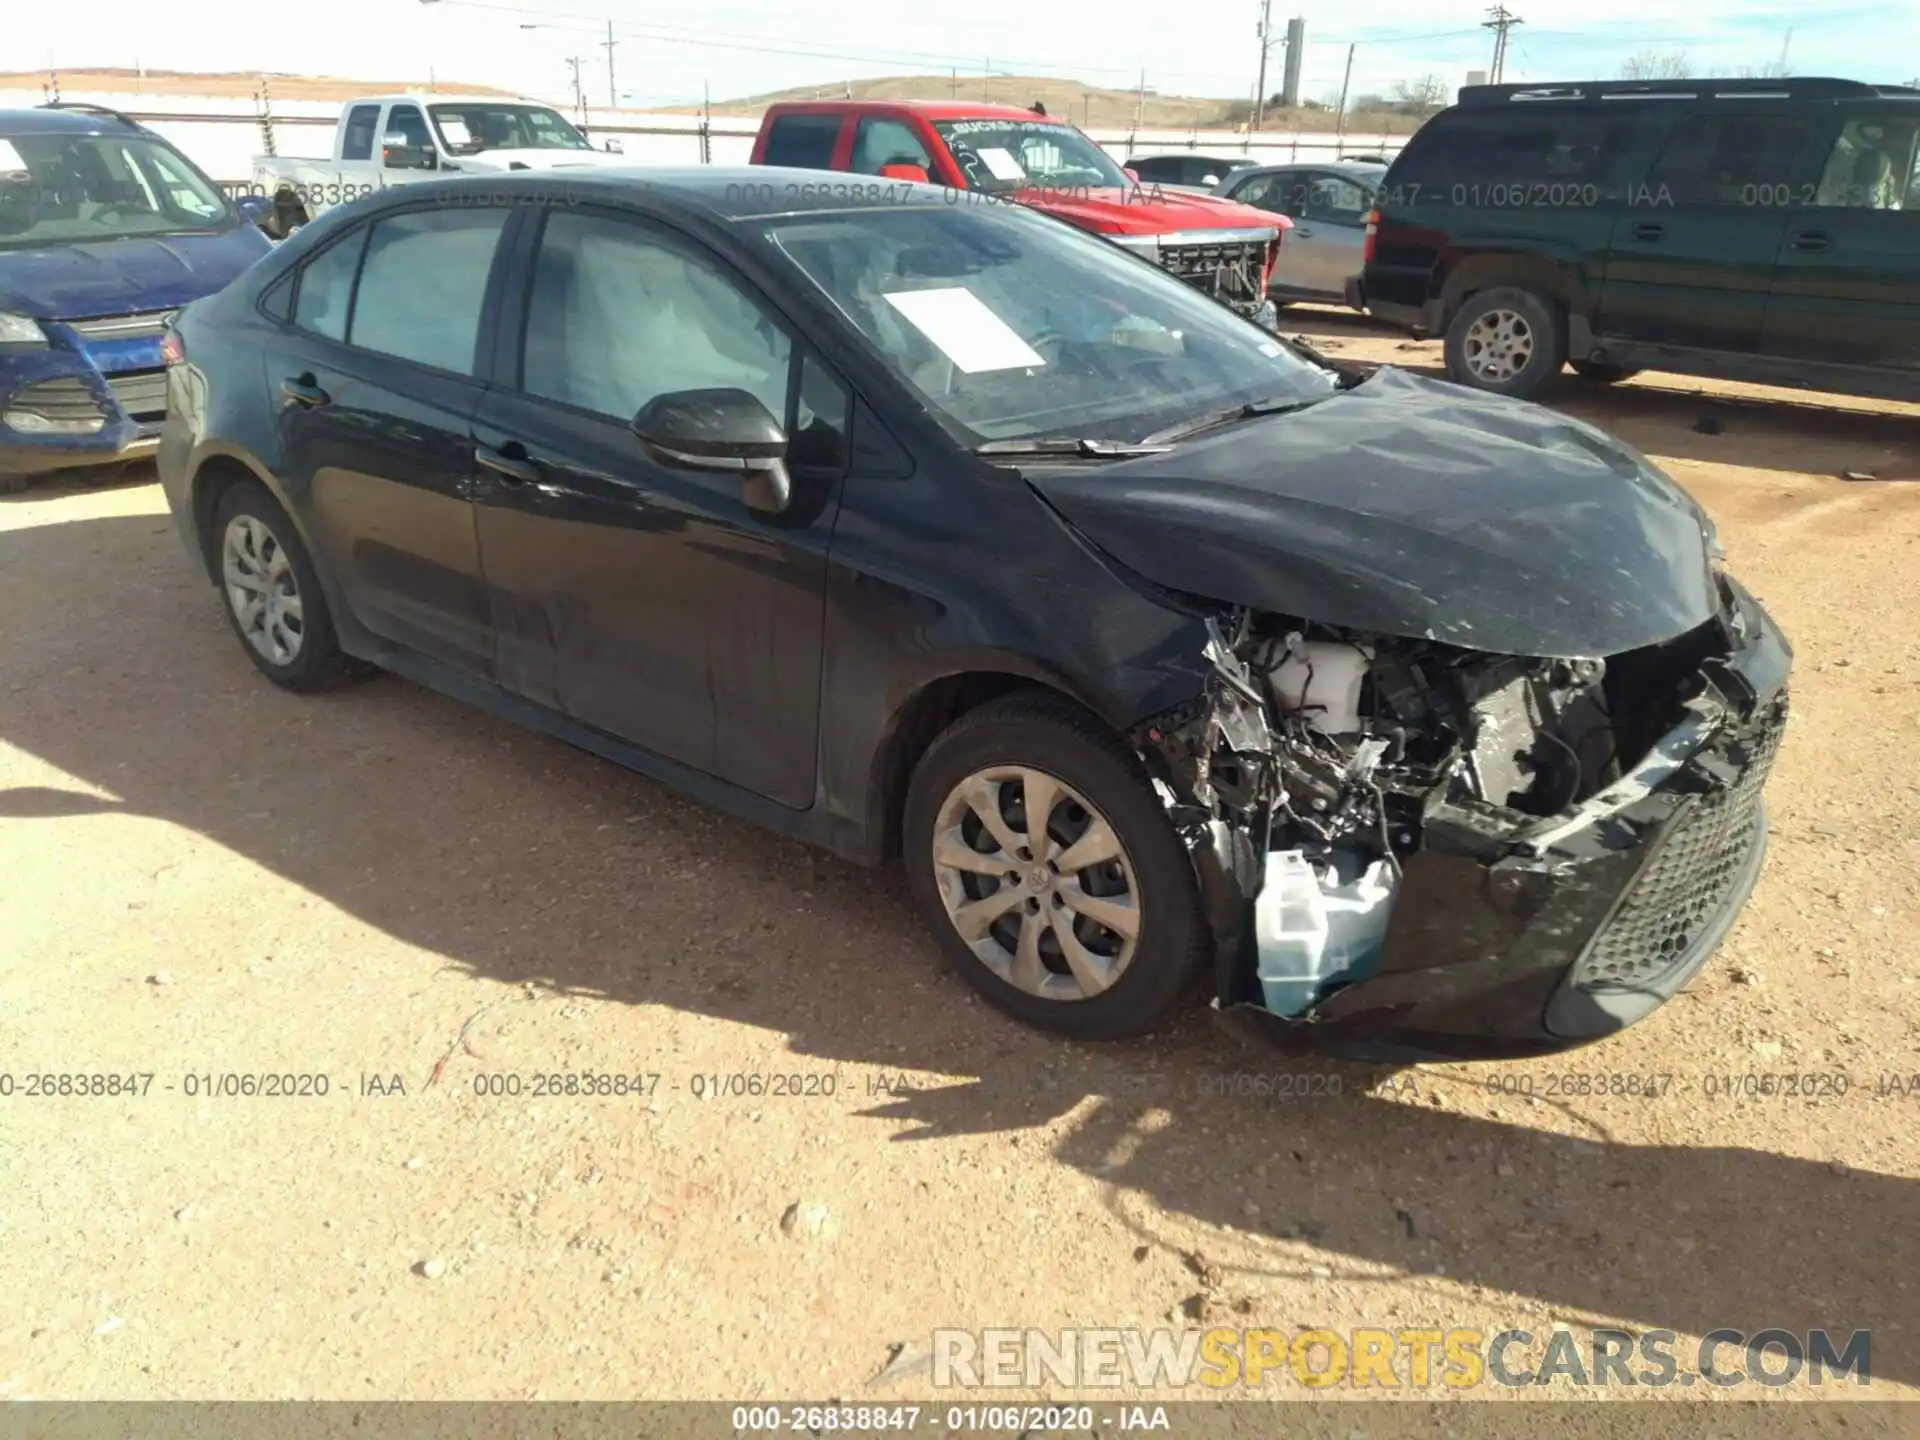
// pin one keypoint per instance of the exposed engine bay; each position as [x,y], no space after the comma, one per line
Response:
[1320,763]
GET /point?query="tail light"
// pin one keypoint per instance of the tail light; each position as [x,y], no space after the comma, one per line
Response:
[1373,234]
[173,350]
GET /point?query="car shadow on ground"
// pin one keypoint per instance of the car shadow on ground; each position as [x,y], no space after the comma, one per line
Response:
[1671,416]
[524,862]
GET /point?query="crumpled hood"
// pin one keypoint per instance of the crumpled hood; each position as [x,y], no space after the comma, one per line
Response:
[1149,210]
[549,158]
[117,277]
[1412,507]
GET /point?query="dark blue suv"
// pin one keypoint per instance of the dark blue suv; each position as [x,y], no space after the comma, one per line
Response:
[105,231]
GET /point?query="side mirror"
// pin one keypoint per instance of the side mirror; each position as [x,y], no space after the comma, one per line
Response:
[397,154]
[721,430]
[614,147]
[254,208]
[901,170]
[1131,173]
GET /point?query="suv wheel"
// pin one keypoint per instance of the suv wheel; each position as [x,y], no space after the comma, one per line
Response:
[1508,341]
[1043,859]
[1599,374]
[273,598]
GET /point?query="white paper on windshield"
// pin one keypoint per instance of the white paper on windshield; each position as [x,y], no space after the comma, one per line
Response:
[1001,163]
[456,132]
[10,157]
[967,332]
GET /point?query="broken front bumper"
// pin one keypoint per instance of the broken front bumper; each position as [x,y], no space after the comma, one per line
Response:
[1576,926]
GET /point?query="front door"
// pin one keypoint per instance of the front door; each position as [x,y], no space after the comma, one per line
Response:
[644,600]
[375,386]
[1847,285]
[1691,257]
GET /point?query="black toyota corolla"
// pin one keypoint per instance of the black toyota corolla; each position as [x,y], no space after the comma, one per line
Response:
[1414,720]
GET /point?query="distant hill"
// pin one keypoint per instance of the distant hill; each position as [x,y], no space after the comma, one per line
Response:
[113,81]
[1085,105]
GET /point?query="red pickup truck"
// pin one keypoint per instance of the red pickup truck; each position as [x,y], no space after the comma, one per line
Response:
[1026,156]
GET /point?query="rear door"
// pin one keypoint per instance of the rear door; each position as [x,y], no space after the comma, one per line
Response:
[375,382]
[1846,286]
[1332,219]
[1691,258]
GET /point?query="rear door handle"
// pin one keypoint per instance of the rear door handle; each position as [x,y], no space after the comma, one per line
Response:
[514,469]
[303,391]
[1810,240]
[1649,232]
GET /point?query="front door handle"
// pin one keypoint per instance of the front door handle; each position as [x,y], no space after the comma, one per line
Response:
[304,391]
[1649,232]
[1810,240]
[514,469]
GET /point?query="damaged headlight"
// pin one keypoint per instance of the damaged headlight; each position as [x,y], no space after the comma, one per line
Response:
[21,330]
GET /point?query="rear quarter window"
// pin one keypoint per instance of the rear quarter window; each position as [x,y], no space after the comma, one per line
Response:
[802,142]
[1511,156]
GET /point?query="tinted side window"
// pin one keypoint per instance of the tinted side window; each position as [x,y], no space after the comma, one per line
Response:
[1337,200]
[1479,151]
[1159,169]
[1728,159]
[618,316]
[357,142]
[408,121]
[802,141]
[1874,165]
[423,283]
[326,287]
[879,142]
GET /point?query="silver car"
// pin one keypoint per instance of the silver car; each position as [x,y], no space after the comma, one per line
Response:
[1328,204]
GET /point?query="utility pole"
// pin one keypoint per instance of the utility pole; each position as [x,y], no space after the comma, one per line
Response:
[612,98]
[1340,123]
[986,78]
[579,89]
[955,75]
[1500,22]
[1785,46]
[1260,85]
[1140,104]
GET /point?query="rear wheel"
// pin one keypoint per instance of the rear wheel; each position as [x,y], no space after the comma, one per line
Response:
[1506,340]
[273,598]
[1043,859]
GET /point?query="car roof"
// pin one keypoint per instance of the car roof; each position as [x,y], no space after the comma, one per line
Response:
[1356,169]
[46,121]
[1195,155]
[931,109]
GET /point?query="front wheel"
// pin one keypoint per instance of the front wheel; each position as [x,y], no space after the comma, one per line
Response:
[1043,859]
[1508,341]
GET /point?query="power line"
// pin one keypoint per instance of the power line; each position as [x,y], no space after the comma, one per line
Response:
[1501,22]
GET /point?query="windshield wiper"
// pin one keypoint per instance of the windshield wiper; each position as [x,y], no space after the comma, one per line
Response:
[1082,447]
[1188,428]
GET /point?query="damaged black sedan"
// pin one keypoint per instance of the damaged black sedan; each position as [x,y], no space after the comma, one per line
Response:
[1416,721]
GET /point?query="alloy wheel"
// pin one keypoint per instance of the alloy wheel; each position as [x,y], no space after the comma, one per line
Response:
[1037,882]
[263,590]
[1498,346]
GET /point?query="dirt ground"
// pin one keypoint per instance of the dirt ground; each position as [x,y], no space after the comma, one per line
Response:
[201,876]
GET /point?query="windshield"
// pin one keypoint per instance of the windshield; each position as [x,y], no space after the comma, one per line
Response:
[1014,326]
[1007,155]
[61,188]
[469,128]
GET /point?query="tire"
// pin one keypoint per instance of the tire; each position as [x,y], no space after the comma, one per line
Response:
[1598,374]
[14,484]
[1506,341]
[1032,743]
[252,536]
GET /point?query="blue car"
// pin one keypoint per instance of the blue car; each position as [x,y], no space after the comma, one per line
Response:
[106,231]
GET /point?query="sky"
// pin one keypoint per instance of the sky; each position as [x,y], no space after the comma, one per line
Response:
[743,47]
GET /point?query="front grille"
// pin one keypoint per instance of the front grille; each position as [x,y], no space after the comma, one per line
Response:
[141,394]
[1232,271]
[65,399]
[140,326]
[1676,899]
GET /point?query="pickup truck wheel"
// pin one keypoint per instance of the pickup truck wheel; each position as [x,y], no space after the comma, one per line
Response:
[1507,341]
[288,216]
[1044,862]
[1599,374]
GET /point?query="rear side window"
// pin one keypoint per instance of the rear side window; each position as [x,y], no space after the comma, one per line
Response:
[357,142]
[1729,160]
[1508,156]
[326,288]
[423,284]
[803,142]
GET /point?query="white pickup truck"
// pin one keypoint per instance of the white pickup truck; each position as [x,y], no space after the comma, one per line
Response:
[395,139]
